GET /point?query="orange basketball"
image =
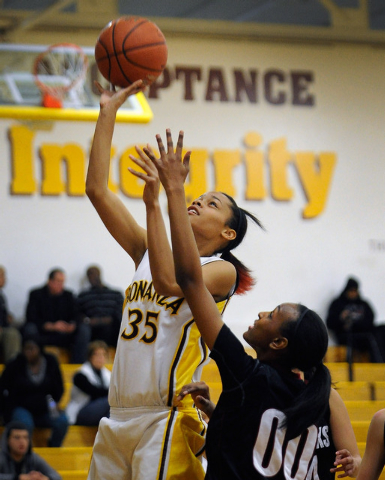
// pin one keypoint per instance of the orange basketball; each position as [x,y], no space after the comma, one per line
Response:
[129,49]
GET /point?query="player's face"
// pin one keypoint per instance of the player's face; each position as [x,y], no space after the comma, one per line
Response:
[210,213]
[267,326]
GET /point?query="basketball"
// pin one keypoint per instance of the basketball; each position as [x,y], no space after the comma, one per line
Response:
[130,49]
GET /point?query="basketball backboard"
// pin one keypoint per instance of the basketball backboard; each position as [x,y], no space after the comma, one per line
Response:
[21,98]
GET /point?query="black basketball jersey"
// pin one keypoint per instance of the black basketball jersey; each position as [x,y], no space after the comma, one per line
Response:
[244,438]
[325,452]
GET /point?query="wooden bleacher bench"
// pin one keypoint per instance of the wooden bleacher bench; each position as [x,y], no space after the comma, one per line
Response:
[369,372]
[63,354]
[77,436]
[363,409]
[360,428]
[355,390]
[66,458]
[71,462]
[77,474]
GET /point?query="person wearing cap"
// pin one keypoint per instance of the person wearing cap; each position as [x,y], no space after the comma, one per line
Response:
[18,461]
[351,319]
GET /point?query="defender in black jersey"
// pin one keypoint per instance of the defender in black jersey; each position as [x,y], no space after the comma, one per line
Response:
[266,422]
[335,426]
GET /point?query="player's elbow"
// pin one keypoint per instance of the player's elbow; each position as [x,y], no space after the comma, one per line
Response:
[185,281]
[94,192]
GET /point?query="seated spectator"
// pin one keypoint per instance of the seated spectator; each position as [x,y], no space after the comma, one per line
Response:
[351,319]
[10,338]
[18,461]
[31,387]
[89,395]
[53,314]
[101,307]
[373,460]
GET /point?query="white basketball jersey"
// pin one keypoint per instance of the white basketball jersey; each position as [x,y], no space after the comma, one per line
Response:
[159,347]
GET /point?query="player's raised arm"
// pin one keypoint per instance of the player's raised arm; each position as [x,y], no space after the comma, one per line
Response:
[118,220]
[188,270]
[159,249]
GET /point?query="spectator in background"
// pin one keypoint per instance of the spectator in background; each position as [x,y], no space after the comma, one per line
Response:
[10,338]
[351,319]
[89,395]
[18,461]
[53,314]
[31,387]
[101,307]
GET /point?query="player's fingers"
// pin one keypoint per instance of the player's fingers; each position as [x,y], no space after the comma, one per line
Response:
[135,87]
[146,166]
[179,145]
[143,154]
[170,145]
[162,151]
[98,86]
[150,153]
[141,175]
[186,160]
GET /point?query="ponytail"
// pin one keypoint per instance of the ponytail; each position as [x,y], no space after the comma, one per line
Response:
[311,404]
[238,222]
[307,344]
[245,281]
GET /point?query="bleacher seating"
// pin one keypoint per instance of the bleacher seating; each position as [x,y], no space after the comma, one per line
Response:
[363,397]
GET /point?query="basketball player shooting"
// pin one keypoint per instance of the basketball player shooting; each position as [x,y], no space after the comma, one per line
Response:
[149,434]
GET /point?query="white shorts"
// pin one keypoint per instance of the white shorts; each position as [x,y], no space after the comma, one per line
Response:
[149,443]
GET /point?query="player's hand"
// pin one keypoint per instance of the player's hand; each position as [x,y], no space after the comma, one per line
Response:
[344,463]
[200,394]
[113,99]
[171,169]
[149,176]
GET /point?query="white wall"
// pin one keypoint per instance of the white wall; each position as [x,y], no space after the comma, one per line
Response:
[296,260]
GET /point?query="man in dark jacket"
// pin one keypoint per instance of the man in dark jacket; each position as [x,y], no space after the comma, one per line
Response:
[17,457]
[351,319]
[52,313]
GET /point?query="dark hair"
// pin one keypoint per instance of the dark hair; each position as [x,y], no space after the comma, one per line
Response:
[307,345]
[238,222]
[53,272]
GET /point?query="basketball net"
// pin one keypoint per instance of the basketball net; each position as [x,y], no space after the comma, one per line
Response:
[57,70]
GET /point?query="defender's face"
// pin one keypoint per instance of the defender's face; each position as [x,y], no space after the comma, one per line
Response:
[267,326]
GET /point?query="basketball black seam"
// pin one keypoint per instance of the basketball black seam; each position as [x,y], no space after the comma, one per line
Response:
[132,29]
[133,49]
[107,56]
[113,44]
[144,46]
[116,55]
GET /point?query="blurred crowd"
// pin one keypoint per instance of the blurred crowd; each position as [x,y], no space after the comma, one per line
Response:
[31,383]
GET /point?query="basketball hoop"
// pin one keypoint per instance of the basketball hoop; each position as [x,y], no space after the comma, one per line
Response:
[57,70]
